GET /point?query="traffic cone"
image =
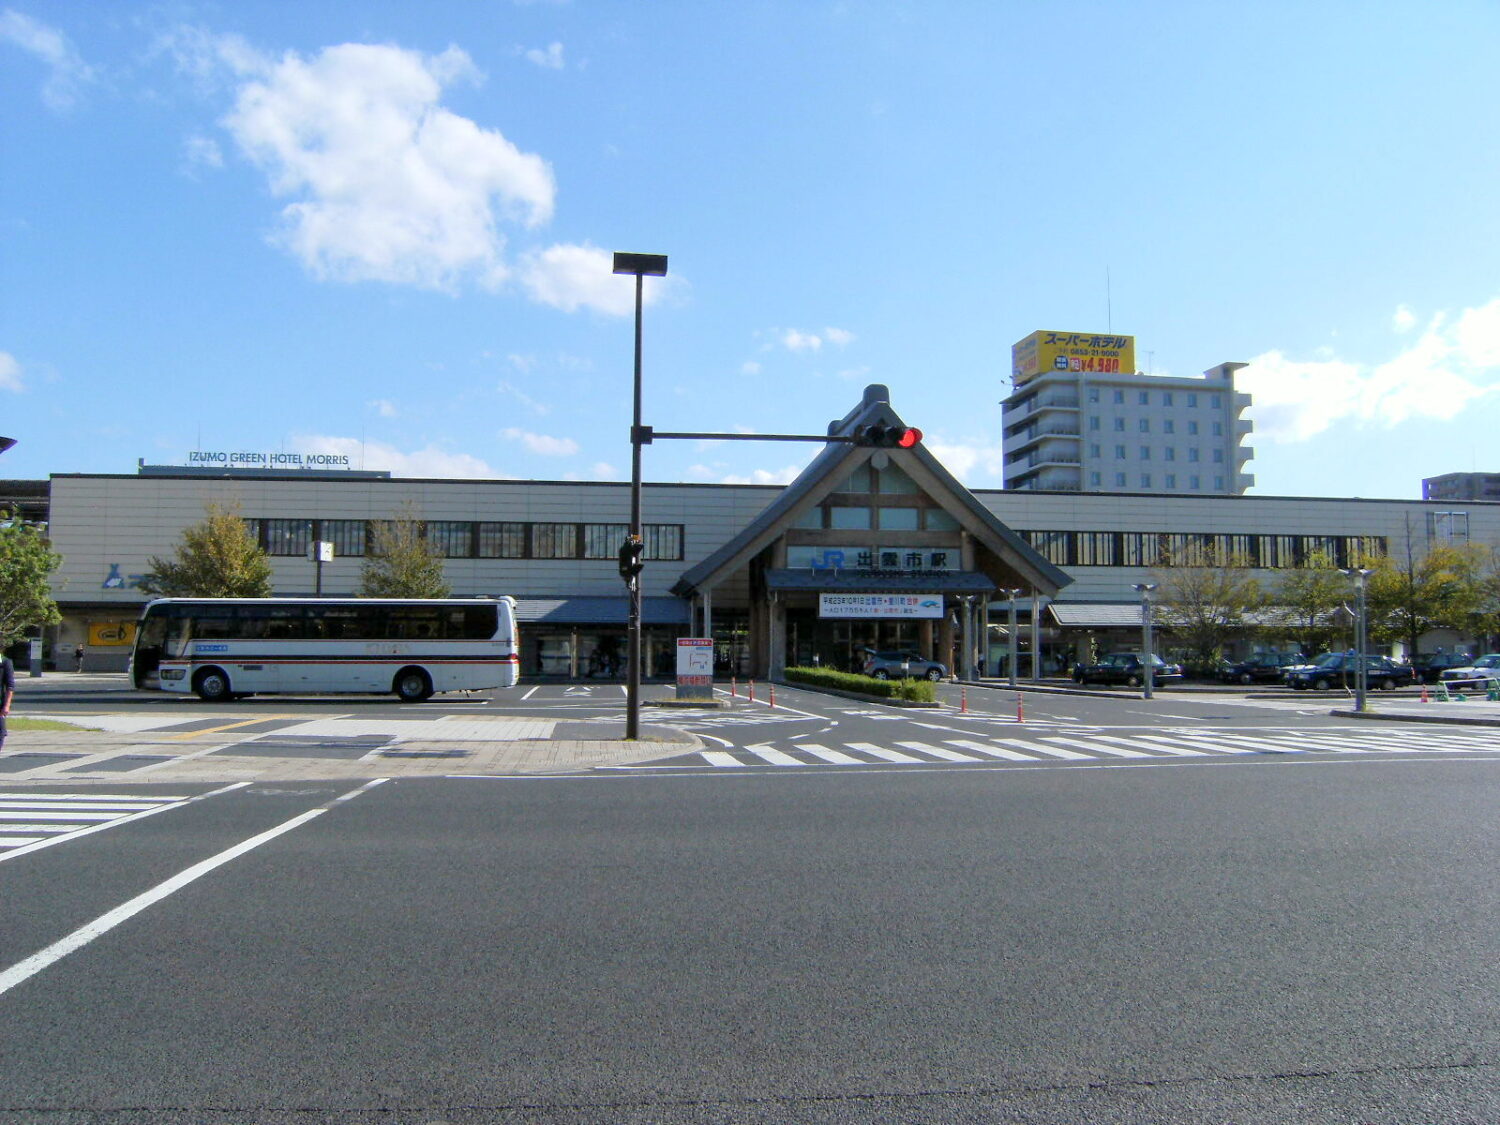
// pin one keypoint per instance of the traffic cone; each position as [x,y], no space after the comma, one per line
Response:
[1020,710]
[1424,693]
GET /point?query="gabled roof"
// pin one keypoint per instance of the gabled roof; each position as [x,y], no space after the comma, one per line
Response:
[832,467]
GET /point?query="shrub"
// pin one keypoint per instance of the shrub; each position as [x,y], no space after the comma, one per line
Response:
[915,691]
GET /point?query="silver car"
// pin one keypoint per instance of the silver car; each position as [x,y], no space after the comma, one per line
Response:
[902,665]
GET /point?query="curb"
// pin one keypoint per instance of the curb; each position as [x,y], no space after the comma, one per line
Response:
[1388,717]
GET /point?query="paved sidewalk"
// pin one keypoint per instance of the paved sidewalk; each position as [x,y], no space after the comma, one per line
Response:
[222,746]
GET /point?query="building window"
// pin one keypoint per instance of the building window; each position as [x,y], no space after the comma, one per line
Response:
[1218,484]
[1192,398]
[287,537]
[450,538]
[939,520]
[1094,450]
[347,537]
[1144,398]
[849,519]
[554,540]
[1168,426]
[1218,456]
[1119,397]
[1193,454]
[1170,453]
[1171,480]
[1145,453]
[860,480]
[1096,480]
[663,541]
[603,540]
[503,541]
[1216,401]
[1166,398]
[1093,423]
[1119,425]
[1119,480]
[1119,453]
[1193,483]
[1193,429]
[1218,429]
[898,519]
[1448,527]
[1093,394]
[1144,425]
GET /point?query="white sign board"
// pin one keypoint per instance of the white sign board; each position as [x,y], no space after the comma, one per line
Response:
[695,668]
[880,605]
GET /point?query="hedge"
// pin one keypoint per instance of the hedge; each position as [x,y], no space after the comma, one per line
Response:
[916,691]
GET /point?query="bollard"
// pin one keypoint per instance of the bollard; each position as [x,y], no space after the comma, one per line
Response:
[1020,711]
[734,688]
[963,701]
[751,696]
[1424,693]
[773,693]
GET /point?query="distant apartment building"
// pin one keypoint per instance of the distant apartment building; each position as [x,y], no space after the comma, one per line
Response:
[1080,418]
[1462,486]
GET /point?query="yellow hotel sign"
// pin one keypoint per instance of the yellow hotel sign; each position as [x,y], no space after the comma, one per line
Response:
[1071,351]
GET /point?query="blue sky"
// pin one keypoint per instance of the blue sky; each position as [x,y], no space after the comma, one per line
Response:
[383,229]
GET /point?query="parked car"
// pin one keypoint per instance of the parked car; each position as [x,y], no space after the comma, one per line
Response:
[1475,671]
[898,665]
[1263,666]
[1430,666]
[1338,669]
[1125,668]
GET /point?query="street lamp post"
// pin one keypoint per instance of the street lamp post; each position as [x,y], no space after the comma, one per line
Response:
[642,266]
[1015,647]
[1145,589]
[1361,672]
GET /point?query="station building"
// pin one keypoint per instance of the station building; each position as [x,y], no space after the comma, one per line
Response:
[868,548]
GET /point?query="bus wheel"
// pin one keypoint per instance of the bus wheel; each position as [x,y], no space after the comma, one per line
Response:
[412,685]
[212,686]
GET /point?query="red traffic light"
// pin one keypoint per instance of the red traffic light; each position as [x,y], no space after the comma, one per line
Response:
[901,437]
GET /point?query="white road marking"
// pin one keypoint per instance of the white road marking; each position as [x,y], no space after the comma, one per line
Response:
[837,757]
[882,752]
[720,758]
[1038,748]
[774,756]
[938,751]
[1097,747]
[80,937]
[992,750]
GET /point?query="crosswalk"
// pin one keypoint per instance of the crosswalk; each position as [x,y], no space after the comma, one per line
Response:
[1094,745]
[29,820]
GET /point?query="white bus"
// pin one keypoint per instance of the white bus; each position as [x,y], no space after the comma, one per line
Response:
[223,648]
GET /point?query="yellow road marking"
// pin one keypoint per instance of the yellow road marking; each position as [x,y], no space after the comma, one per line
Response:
[185,735]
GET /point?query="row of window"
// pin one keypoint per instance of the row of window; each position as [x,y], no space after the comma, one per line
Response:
[1168,426]
[1169,453]
[473,539]
[329,623]
[1153,548]
[1192,483]
[1168,398]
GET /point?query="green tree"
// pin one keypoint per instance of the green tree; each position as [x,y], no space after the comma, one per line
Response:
[217,558]
[1307,599]
[1206,598]
[26,565]
[1410,594]
[401,562]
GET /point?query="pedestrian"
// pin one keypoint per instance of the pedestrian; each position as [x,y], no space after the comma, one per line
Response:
[78,655]
[7,690]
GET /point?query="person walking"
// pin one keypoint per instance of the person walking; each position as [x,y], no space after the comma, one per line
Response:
[7,691]
[78,653]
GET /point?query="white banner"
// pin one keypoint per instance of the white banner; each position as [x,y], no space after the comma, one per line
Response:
[880,605]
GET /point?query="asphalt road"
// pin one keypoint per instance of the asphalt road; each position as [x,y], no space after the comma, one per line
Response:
[1272,939]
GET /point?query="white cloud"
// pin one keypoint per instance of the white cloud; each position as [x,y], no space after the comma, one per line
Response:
[428,462]
[795,341]
[384,407]
[968,461]
[600,470]
[763,476]
[541,444]
[67,72]
[201,152]
[10,373]
[570,277]
[522,397]
[1403,320]
[548,58]
[838,337]
[1450,365]
[387,184]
